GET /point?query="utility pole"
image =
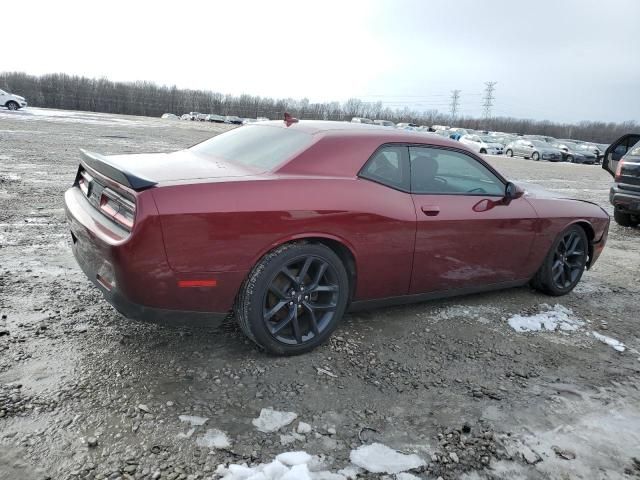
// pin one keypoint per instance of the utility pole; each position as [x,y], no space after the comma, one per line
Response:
[455,99]
[488,98]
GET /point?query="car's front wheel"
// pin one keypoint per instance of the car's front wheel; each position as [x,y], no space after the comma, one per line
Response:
[564,265]
[535,156]
[12,105]
[294,298]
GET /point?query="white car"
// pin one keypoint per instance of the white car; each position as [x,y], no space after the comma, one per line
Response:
[169,116]
[12,102]
[482,144]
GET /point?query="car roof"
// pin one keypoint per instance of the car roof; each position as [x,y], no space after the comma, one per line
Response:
[328,128]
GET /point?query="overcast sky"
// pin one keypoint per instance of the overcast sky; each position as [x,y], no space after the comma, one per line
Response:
[562,60]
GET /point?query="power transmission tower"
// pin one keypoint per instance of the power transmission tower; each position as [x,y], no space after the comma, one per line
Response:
[488,98]
[455,99]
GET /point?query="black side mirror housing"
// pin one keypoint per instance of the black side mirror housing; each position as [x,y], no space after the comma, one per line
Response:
[511,192]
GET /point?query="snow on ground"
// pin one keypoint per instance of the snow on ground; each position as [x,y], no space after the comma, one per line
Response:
[193,420]
[550,319]
[375,458]
[214,439]
[616,344]
[378,458]
[272,420]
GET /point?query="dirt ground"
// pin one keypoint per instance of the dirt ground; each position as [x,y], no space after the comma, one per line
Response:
[85,393]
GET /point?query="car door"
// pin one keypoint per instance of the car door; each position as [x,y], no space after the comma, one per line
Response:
[3,97]
[467,234]
[518,148]
[617,150]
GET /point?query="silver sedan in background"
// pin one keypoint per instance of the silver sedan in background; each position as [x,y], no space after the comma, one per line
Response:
[533,149]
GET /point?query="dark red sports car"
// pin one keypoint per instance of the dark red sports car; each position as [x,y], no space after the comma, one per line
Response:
[292,223]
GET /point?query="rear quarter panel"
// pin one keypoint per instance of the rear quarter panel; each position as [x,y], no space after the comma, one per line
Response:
[229,226]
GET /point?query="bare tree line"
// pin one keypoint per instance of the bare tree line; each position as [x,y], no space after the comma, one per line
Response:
[70,92]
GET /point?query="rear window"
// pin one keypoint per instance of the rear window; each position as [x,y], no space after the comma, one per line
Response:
[257,146]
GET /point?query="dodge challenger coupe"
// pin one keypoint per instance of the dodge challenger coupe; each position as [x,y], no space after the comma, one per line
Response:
[289,224]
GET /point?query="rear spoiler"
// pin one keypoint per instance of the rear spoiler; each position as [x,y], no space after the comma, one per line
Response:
[101,164]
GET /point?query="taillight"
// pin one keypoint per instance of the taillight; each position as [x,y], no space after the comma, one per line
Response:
[619,170]
[116,206]
[84,182]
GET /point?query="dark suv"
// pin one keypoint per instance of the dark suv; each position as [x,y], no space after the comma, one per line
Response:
[622,160]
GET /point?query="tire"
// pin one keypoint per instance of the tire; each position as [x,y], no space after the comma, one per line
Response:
[509,153]
[482,150]
[11,105]
[571,249]
[535,156]
[624,219]
[570,159]
[275,308]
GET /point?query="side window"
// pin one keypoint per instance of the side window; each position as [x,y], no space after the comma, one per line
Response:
[438,171]
[389,166]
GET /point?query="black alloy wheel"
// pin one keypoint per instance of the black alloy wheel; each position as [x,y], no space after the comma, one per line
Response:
[569,259]
[565,263]
[294,298]
[301,300]
[12,105]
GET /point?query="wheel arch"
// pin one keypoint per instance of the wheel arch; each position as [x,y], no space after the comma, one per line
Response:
[342,248]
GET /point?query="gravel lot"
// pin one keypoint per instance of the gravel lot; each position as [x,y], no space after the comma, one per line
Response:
[85,393]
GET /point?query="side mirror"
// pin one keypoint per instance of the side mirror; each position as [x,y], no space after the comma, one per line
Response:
[512,191]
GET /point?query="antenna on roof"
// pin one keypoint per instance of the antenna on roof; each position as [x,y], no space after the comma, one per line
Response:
[289,120]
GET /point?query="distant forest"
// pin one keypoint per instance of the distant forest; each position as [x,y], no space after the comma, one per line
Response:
[71,92]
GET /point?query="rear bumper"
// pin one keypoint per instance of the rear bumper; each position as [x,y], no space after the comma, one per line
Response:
[136,311]
[625,200]
[132,273]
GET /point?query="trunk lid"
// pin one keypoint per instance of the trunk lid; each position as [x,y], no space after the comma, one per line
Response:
[142,171]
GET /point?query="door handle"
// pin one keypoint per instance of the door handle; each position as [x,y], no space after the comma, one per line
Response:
[430,210]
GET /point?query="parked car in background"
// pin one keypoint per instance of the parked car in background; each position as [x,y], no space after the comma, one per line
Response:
[233,119]
[11,101]
[407,126]
[384,123]
[201,117]
[574,154]
[622,160]
[361,120]
[292,223]
[212,117]
[591,148]
[262,119]
[482,144]
[533,149]
[170,116]
[185,116]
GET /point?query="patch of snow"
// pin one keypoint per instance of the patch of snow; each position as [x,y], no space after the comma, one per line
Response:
[378,458]
[215,439]
[303,427]
[195,421]
[551,319]
[272,420]
[294,458]
[286,466]
[350,472]
[406,476]
[616,344]
[188,434]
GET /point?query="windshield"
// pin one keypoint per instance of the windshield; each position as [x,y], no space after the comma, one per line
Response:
[258,146]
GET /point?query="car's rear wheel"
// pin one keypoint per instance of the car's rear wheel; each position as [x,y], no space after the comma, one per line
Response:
[482,150]
[624,219]
[564,265]
[294,298]
[509,153]
[12,105]
[535,156]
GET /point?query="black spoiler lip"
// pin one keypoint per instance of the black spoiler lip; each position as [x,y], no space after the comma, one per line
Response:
[101,164]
